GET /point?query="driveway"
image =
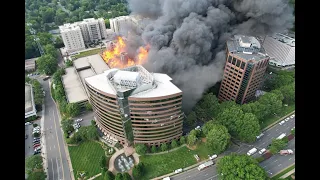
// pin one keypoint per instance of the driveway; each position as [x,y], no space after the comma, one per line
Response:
[87,117]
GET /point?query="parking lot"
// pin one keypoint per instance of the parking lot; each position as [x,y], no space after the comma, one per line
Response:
[87,117]
[28,142]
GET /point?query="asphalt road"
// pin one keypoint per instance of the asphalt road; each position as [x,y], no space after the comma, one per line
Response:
[273,165]
[58,167]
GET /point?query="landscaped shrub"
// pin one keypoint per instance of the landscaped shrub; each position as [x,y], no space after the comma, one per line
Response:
[164,147]
[182,140]
[174,144]
[141,149]
[153,149]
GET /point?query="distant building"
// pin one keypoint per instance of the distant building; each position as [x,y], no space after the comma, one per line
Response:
[124,24]
[30,64]
[281,49]
[30,109]
[72,37]
[245,66]
[92,30]
[135,106]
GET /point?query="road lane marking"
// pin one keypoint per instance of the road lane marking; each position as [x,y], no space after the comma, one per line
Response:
[264,166]
[279,165]
[290,159]
[58,169]
[268,135]
[50,148]
[277,129]
[275,161]
[55,125]
[52,169]
[54,146]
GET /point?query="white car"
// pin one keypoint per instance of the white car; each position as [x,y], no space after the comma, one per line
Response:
[292,116]
[258,137]
[27,123]
[197,128]
[178,170]
[213,156]
[79,120]
[287,119]
[262,151]
[282,122]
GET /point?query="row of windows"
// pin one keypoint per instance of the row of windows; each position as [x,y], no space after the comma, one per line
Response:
[236,62]
[156,101]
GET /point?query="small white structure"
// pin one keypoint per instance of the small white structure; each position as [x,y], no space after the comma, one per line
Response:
[30,109]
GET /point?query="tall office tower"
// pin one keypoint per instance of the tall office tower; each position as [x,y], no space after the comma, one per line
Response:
[245,66]
[135,106]
[72,37]
[281,49]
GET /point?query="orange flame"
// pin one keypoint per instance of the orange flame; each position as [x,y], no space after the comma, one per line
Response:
[112,55]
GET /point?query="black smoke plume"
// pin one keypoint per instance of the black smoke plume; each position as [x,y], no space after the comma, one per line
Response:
[187,37]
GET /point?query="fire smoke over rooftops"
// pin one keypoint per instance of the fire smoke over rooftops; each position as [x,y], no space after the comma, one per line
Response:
[187,37]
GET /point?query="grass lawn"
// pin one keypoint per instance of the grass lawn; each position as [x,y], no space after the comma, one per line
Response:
[158,165]
[283,172]
[85,157]
[87,53]
[283,112]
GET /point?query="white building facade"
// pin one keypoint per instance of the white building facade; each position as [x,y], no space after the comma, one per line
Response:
[281,49]
[123,24]
[72,37]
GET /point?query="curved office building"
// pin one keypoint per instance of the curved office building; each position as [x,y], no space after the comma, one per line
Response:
[135,106]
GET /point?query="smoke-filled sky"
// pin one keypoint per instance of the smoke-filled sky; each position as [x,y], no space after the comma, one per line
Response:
[187,37]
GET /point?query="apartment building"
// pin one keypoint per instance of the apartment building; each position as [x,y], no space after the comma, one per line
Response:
[92,30]
[72,37]
[245,66]
[124,24]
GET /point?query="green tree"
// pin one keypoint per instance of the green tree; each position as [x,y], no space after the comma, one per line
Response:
[288,92]
[51,50]
[248,128]
[182,140]
[47,64]
[108,176]
[38,175]
[191,138]
[58,43]
[207,108]
[293,131]
[277,145]
[67,125]
[92,133]
[141,149]
[32,163]
[164,147]
[138,171]
[107,22]
[271,104]
[93,122]
[45,38]
[69,63]
[88,106]
[119,176]
[103,161]
[226,105]
[218,138]
[36,135]
[192,118]
[208,126]
[174,144]
[73,109]
[153,149]
[236,166]
[228,118]
[126,176]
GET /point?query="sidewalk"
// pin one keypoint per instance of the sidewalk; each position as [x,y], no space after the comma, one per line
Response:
[288,174]
[43,140]
[284,170]
[277,121]
[64,143]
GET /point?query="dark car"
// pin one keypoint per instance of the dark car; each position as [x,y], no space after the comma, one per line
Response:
[36,141]
[26,136]
[36,152]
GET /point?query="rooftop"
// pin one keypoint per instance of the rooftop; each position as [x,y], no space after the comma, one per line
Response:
[30,63]
[136,78]
[284,39]
[95,61]
[246,47]
[73,87]
[68,27]
[28,101]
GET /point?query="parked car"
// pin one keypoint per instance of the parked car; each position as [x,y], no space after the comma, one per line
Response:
[197,157]
[292,116]
[79,120]
[260,135]
[287,119]
[36,141]
[36,146]
[282,122]
[27,123]
[26,136]
[178,170]
[252,151]
[213,156]
[197,128]
[262,151]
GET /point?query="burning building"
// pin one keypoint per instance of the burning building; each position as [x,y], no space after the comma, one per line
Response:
[135,106]
[116,55]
